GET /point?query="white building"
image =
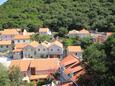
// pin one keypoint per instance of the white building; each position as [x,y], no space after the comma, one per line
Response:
[5,46]
[83,33]
[44,31]
[36,50]
[56,49]
[8,34]
[21,39]
[73,33]
[76,50]
[42,50]
[17,54]
[28,52]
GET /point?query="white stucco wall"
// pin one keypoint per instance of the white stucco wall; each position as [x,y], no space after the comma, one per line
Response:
[7,37]
[28,52]
[83,35]
[54,49]
[41,50]
[17,55]
[22,41]
[5,48]
[45,33]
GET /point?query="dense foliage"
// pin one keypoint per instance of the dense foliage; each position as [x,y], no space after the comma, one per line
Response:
[70,14]
[12,77]
[100,61]
[40,38]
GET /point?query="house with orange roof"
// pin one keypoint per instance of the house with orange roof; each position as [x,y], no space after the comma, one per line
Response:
[25,50]
[56,49]
[17,54]
[21,39]
[83,33]
[8,34]
[29,51]
[36,69]
[36,50]
[76,50]
[18,50]
[44,31]
[71,68]
[5,46]
[42,49]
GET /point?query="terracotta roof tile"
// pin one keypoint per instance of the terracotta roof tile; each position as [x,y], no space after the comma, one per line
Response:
[39,64]
[24,64]
[10,32]
[43,29]
[74,49]
[22,37]
[77,75]
[20,45]
[34,77]
[69,60]
[5,42]
[84,31]
[74,68]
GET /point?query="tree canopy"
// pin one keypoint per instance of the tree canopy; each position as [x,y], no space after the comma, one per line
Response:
[100,61]
[70,14]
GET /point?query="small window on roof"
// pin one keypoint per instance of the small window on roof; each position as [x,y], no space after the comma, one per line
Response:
[6,46]
[1,46]
[23,40]
[58,49]
[51,49]
[43,49]
[38,49]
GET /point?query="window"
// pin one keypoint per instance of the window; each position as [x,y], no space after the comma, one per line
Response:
[1,46]
[51,49]
[23,40]
[33,71]
[58,49]
[6,46]
[35,53]
[43,49]
[38,49]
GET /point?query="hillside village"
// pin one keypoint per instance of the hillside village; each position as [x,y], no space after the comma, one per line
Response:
[46,60]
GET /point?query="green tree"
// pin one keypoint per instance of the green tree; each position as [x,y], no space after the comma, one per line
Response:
[4,79]
[110,52]
[95,56]
[35,37]
[62,32]
[68,41]
[86,41]
[15,76]
[44,37]
[70,14]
